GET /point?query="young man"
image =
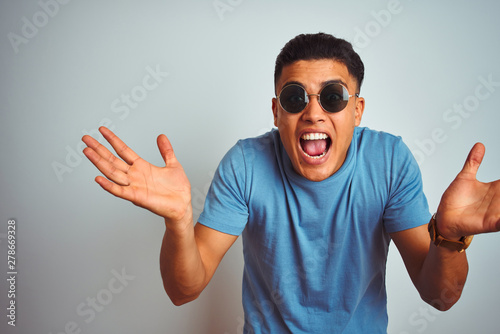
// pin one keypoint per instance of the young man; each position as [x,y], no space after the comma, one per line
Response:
[317,202]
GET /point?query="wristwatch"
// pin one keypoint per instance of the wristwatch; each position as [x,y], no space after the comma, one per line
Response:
[459,246]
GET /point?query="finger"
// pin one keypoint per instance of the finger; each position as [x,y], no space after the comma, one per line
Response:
[108,169]
[105,153]
[119,146]
[166,150]
[474,160]
[113,188]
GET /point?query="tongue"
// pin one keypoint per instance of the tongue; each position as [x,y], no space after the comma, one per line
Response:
[314,147]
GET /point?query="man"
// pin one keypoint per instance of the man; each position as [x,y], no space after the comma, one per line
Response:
[317,202]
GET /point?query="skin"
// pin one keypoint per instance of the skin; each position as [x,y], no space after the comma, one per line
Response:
[191,253]
[467,207]
[313,75]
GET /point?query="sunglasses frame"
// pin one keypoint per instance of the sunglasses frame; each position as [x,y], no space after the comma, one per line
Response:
[344,89]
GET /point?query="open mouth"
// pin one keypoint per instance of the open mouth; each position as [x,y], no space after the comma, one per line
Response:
[315,145]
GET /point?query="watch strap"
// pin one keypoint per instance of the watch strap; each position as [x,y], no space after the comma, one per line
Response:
[459,246]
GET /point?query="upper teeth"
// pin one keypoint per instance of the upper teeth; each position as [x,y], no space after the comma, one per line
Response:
[314,136]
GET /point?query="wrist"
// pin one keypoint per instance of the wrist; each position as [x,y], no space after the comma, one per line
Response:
[181,224]
[446,231]
[458,244]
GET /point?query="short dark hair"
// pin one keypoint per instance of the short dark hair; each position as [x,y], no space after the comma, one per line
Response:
[320,46]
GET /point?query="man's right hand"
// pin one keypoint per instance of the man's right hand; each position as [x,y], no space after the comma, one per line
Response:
[189,255]
[165,191]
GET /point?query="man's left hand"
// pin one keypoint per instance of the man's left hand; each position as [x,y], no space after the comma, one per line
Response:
[468,206]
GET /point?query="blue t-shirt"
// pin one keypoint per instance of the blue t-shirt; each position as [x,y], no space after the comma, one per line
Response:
[315,252]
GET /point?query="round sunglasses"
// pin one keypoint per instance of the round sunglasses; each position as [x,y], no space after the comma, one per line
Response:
[333,98]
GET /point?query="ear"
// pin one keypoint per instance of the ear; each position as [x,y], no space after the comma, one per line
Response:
[275,111]
[360,108]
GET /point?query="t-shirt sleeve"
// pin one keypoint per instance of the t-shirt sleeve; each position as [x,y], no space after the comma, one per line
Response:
[407,205]
[226,208]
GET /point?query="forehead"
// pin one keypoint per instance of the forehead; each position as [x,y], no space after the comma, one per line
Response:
[313,74]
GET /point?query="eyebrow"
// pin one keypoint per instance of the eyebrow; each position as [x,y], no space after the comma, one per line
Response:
[337,81]
[323,84]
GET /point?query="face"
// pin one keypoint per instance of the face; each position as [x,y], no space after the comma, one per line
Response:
[334,130]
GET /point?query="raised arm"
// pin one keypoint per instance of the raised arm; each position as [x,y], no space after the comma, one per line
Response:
[189,255]
[165,191]
[467,207]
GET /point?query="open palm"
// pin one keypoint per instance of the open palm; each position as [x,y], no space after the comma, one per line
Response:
[165,191]
[468,206]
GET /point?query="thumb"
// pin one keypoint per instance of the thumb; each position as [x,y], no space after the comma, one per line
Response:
[166,150]
[474,160]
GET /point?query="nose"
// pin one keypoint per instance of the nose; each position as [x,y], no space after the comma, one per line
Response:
[313,113]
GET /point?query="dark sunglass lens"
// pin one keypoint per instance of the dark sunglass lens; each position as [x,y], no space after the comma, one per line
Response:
[293,99]
[334,98]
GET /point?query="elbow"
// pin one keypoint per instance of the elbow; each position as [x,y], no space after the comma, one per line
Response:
[445,301]
[442,295]
[179,298]
[441,306]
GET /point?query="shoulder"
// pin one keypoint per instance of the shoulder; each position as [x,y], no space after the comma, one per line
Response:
[249,152]
[369,136]
[264,141]
[385,153]
[372,142]
[259,147]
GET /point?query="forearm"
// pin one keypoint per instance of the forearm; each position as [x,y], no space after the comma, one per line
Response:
[442,277]
[181,265]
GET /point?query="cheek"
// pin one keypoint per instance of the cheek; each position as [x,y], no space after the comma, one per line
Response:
[287,129]
[285,122]
[346,120]
[344,128]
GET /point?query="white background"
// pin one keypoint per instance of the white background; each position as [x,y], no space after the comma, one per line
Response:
[64,70]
